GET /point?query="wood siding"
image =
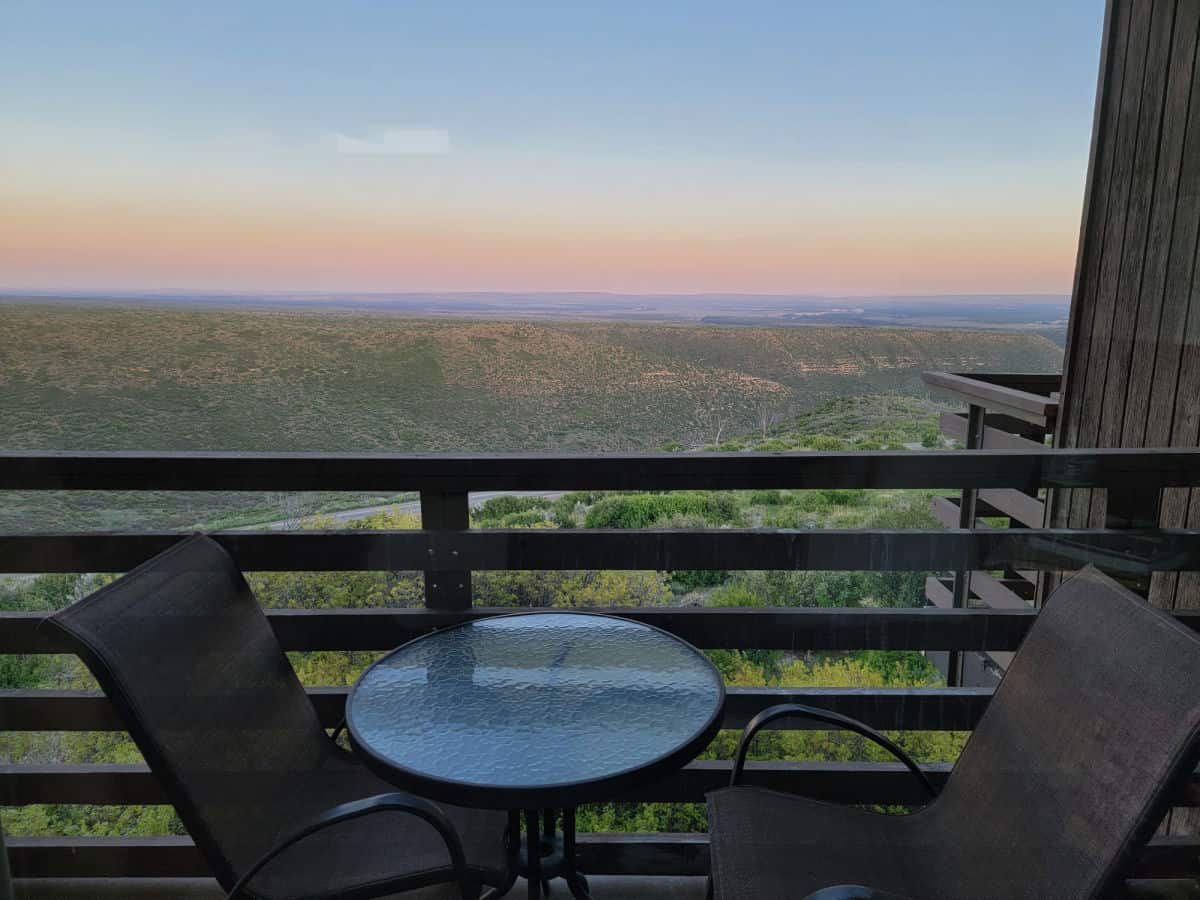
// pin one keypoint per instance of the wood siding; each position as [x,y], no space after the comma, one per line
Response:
[1132,369]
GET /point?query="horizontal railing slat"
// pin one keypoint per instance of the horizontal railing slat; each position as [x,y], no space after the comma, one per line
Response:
[909,709]
[840,782]
[1130,551]
[233,471]
[749,628]
[164,856]
[835,782]
[774,628]
[606,853]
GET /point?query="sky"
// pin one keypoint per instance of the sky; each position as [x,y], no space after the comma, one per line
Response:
[848,148]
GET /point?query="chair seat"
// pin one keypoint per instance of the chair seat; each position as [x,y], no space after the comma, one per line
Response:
[774,846]
[369,853]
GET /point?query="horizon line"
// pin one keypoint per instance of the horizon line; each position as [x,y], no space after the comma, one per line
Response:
[9,293]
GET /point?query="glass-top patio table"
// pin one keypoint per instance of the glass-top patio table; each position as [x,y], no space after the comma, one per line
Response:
[536,712]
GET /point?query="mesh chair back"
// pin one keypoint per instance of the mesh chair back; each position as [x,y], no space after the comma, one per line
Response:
[1088,738]
[185,654]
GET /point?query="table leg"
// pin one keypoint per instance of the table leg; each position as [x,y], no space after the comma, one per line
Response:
[549,823]
[576,883]
[533,855]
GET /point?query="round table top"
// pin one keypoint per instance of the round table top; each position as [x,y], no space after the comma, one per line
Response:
[535,710]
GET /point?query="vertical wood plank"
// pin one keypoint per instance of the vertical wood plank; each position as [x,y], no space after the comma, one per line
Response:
[1089,401]
[1146,378]
[1145,197]
[1186,432]
[1167,394]
[1091,245]
[1095,207]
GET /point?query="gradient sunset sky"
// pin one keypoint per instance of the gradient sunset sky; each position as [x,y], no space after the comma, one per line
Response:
[798,147]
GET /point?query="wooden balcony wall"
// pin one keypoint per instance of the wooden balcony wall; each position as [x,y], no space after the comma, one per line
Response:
[1132,364]
[448,552]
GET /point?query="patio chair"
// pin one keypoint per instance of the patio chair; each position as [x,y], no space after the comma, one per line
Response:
[1090,735]
[189,661]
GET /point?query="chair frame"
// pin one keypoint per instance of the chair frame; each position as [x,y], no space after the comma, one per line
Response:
[238,887]
[828,717]
[1184,764]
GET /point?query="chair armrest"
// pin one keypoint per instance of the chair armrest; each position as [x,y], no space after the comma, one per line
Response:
[829,718]
[397,802]
[852,892]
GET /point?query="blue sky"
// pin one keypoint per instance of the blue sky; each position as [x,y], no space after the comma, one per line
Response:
[776,135]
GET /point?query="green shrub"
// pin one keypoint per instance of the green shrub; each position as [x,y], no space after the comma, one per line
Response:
[826,442]
[766,498]
[691,579]
[523,519]
[507,504]
[671,447]
[797,516]
[843,497]
[772,444]
[735,594]
[563,509]
[646,510]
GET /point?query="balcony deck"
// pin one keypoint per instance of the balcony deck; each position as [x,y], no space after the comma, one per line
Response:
[447,550]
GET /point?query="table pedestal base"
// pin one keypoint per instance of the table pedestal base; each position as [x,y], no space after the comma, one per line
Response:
[554,855]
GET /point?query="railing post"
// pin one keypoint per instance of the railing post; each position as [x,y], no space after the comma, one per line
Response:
[448,511]
[966,519]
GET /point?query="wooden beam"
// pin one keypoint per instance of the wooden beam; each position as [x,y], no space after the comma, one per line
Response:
[207,471]
[835,782]
[991,590]
[985,587]
[105,857]
[947,511]
[921,709]
[1170,857]
[1129,551]
[1018,505]
[440,510]
[1036,408]
[954,426]
[1032,382]
[1019,586]
[939,593]
[745,628]
[602,853]
[749,628]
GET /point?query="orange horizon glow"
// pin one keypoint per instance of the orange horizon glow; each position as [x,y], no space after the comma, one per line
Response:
[48,244]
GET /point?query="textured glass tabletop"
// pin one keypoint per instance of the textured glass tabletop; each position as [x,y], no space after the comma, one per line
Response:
[533,701]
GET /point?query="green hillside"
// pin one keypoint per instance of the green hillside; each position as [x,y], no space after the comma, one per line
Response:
[112,377]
